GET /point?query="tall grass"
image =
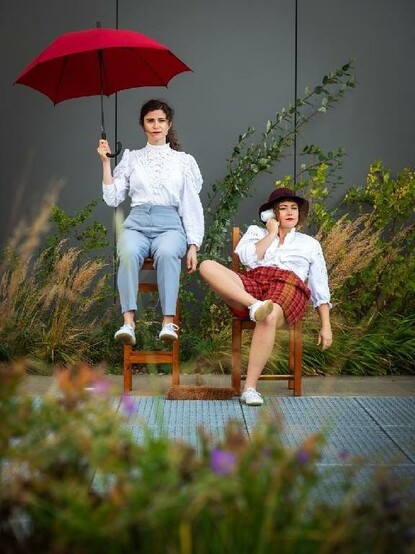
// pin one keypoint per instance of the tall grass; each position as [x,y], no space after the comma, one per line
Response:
[48,312]
[349,247]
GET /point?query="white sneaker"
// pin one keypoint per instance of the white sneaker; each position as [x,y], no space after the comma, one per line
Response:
[260,310]
[251,397]
[168,332]
[126,335]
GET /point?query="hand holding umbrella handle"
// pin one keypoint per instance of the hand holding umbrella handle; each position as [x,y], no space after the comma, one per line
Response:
[118,149]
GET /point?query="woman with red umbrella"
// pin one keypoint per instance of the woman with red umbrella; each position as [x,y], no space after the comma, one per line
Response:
[166,217]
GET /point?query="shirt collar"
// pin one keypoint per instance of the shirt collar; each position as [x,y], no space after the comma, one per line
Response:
[166,146]
[290,237]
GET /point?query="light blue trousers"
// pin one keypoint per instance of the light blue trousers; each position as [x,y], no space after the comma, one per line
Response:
[155,231]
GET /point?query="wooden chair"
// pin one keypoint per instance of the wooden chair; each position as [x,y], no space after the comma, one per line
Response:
[238,325]
[133,356]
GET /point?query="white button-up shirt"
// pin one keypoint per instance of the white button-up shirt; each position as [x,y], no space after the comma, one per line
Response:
[299,253]
[158,175]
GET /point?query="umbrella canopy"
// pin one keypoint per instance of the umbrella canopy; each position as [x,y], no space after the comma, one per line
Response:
[100,61]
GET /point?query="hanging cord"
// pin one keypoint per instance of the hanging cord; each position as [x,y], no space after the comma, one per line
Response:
[295,89]
[114,225]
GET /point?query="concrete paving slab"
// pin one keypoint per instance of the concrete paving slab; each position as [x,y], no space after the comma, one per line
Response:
[156,385]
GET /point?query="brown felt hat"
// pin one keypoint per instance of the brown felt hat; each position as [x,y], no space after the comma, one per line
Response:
[286,194]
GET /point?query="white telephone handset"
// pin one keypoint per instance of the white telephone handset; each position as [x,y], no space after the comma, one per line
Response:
[267,214]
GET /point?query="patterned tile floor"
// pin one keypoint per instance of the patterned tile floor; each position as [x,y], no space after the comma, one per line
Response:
[378,431]
[381,427]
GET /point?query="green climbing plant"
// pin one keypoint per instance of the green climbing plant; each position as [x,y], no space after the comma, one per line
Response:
[248,160]
[318,176]
[90,237]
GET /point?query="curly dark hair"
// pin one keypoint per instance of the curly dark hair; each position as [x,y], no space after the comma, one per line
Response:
[155,104]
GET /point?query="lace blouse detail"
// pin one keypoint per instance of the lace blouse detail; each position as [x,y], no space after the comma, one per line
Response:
[158,175]
[155,161]
[300,253]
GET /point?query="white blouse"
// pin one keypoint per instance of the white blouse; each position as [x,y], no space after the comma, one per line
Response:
[299,253]
[160,176]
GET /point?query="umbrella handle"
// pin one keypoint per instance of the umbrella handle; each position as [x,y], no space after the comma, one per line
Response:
[118,149]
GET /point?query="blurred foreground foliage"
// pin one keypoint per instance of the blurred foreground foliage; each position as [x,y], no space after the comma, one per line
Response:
[74,480]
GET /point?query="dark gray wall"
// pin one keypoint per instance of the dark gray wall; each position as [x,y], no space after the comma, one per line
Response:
[377,119]
[242,56]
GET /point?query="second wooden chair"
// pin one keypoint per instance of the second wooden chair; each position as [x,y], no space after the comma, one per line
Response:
[238,325]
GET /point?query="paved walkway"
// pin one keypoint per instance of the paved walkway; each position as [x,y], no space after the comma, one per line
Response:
[156,385]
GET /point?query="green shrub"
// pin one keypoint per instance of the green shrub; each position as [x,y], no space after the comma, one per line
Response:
[73,481]
[54,296]
[387,285]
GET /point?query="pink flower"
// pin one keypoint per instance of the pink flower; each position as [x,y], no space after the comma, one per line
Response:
[101,387]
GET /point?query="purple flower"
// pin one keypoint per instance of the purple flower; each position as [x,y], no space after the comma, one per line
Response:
[222,462]
[392,504]
[128,404]
[303,456]
[344,454]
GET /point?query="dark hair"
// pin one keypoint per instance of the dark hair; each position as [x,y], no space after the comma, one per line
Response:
[153,105]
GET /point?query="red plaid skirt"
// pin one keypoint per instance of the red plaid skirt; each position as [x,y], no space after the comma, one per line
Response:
[279,285]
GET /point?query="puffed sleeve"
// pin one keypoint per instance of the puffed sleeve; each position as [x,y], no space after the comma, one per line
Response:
[318,278]
[117,192]
[245,248]
[192,215]
[191,209]
[192,172]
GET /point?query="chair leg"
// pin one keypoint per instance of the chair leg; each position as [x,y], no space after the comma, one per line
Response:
[128,370]
[236,355]
[298,359]
[291,355]
[175,370]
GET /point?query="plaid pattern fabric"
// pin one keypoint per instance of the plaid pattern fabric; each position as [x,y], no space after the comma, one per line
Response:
[279,285]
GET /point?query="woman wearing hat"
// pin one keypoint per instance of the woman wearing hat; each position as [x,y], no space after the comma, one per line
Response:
[279,260]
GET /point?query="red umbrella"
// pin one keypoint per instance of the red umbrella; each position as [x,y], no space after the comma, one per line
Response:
[100,61]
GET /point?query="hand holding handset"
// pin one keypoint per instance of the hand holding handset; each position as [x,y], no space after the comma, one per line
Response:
[268,217]
[267,214]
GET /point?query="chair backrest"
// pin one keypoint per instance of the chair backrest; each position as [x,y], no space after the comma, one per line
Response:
[236,237]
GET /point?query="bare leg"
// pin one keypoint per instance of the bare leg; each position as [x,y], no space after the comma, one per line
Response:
[168,319]
[129,318]
[227,284]
[262,344]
